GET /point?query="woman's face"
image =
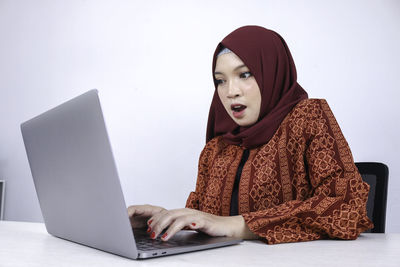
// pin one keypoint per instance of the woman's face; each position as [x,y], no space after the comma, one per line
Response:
[237,89]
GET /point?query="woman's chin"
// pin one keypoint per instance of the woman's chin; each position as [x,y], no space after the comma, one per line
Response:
[242,122]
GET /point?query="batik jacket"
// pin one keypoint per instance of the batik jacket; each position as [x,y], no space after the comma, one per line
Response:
[302,185]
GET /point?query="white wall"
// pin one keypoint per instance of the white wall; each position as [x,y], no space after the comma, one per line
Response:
[151,61]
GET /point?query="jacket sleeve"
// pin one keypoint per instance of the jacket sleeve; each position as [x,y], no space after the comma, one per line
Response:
[195,197]
[336,204]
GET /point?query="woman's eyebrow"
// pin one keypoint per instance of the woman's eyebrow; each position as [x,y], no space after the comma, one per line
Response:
[240,66]
[235,69]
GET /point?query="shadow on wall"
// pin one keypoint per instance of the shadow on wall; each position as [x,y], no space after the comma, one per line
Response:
[2,190]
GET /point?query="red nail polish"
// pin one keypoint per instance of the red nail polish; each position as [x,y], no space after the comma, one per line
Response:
[193,224]
[149,222]
[149,229]
[164,236]
[153,235]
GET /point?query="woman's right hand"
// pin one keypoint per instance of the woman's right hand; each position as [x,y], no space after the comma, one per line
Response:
[139,214]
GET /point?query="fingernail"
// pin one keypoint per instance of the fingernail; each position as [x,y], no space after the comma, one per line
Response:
[153,235]
[149,229]
[149,222]
[164,236]
[193,224]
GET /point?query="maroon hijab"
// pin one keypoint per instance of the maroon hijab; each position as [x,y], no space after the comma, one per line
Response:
[267,56]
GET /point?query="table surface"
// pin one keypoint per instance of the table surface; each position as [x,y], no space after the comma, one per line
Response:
[28,244]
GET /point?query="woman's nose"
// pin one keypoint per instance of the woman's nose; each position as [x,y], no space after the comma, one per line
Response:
[233,90]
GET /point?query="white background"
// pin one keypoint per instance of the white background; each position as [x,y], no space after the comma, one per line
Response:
[151,61]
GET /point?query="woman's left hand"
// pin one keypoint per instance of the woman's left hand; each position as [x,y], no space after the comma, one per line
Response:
[176,220]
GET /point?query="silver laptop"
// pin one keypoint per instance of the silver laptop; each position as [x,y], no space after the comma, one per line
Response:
[78,188]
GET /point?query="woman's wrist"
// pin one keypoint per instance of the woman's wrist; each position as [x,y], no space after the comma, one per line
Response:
[238,228]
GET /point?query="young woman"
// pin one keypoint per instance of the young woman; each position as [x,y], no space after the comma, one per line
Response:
[276,165]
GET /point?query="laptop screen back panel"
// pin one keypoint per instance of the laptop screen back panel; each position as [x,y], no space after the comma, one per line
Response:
[76,178]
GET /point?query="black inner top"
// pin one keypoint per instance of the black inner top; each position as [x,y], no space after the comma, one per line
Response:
[234,199]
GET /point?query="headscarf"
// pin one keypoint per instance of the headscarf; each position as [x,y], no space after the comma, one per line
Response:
[268,58]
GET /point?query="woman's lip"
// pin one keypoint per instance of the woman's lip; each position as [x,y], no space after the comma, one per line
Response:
[239,114]
[235,105]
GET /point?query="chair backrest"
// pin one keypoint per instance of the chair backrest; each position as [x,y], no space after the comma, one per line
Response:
[376,174]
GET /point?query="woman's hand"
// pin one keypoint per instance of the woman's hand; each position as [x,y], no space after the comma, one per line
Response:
[176,220]
[139,214]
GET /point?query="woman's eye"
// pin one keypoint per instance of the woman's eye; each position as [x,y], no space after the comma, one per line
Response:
[219,81]
[245,75]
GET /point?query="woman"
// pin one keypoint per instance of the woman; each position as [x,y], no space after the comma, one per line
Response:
[276,165]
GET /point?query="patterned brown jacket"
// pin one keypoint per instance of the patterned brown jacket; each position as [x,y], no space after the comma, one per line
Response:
[302,185]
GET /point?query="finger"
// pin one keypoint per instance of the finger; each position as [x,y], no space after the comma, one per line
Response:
[178,224]
[131,210]
[143,210]
[134,217]
[162,220]
[135,210]
[153,224]
[195,224]
[165,220]
[139,214]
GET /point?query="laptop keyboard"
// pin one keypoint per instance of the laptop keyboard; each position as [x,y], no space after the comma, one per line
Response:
[144,242]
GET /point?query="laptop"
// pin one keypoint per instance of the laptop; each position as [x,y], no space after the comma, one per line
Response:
[78,187]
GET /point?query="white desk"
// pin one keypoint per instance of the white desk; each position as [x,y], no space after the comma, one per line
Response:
[28,244]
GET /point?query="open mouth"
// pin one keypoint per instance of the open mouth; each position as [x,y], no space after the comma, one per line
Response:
[238,110]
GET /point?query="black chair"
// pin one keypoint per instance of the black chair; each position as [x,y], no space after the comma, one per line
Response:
[376,175]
